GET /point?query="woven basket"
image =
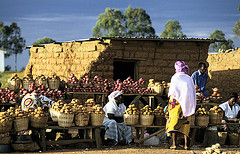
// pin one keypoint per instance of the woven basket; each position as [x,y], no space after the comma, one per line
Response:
[54,115]
[215,118]
[15,85]
[97,119]
[81,120]
[38,122]
[131,119]
[202,121]
[20,124]
[233,138]
[65,120]
[146,120]
[5,140]
[27,83]
[53,84]
[222,137]
[192,121]
[6,126]
[159,120]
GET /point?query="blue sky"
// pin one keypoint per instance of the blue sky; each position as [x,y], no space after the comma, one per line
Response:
[66,20]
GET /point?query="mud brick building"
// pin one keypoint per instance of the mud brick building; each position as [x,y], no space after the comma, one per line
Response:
[114,58]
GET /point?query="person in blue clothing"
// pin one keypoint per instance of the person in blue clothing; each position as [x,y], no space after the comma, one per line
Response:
[200,78]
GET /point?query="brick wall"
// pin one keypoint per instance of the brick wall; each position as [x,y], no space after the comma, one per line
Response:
[224,72]
[154,59]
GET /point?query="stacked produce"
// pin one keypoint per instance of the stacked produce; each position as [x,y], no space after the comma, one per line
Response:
[6,120]
[146,115]
[7,96]
[202,117]
[159,111]
[14,83]
[55,110]
[66,116]
[132,110]
[215,115]
[73,83]
[89,103]
[97,81]
[159,116]
[41,80]
[81,115]
[97,115]
[151,83]
[54,81]
[38,118]
[27,81]
[216,148]
[215,95]
[20,119]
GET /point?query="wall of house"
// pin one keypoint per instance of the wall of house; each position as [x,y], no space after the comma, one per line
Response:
[154,59]
[224,71]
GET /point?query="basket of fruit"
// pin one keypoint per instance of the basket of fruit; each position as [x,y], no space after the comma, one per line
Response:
[216,97]
[158,88]
[55,110]
[14,83]
[54,82]
[81,116]
[27,81]
[5,122]
[72,81]
[146,116]
[202,117]
[215,115]
[41,80]
[66,116]
[222,137]
[21,120]
[97,116]
[38,118]
[131,115]
[159,116]
[233,138]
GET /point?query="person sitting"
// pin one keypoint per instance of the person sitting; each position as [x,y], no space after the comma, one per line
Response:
[231,108]
[116,130]
[200,78]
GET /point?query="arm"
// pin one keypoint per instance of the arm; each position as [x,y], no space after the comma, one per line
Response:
[117,119]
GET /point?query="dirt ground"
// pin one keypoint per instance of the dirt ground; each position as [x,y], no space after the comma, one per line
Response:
[134,149]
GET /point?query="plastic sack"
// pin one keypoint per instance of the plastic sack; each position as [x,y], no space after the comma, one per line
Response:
[151,141]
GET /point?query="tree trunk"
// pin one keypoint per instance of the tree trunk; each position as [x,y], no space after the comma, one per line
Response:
[15,62]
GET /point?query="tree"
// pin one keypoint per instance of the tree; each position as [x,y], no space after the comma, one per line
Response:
[134,23]
[218,46]
[236,27]
[110,24]
[173,30]
[138,23]
[11,40]
[45,40]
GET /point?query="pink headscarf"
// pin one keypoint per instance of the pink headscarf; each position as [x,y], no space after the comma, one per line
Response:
[180,66]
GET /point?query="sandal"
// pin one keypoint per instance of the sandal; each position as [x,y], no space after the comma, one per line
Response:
[186,147]
[173,147]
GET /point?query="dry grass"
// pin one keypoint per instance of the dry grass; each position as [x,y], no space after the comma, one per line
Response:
[4,76]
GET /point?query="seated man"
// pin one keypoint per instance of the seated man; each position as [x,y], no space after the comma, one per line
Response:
[113,120]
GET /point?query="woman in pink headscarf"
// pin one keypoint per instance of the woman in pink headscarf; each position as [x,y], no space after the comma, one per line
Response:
[182,103]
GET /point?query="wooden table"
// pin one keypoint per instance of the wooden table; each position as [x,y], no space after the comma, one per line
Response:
[95,136]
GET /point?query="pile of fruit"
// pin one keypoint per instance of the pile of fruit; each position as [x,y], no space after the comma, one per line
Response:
[132,110]
[146,110]
[37,112]
[80,110]
[58,105]
[215,94]
[7,96]
[89,103]
[66,109]
[97,110]
[216,109]
[41,80]
[159,111]
[201,112]
[14,82]
[4,117]
[216,148]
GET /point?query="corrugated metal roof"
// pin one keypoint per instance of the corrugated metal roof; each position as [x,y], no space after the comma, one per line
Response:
[138,39]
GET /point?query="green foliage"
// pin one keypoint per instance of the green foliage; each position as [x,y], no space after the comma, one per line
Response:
[4,76]
[236,27]
[11,40]
[134,23]
[173,30]
[45,40]
[219,35]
